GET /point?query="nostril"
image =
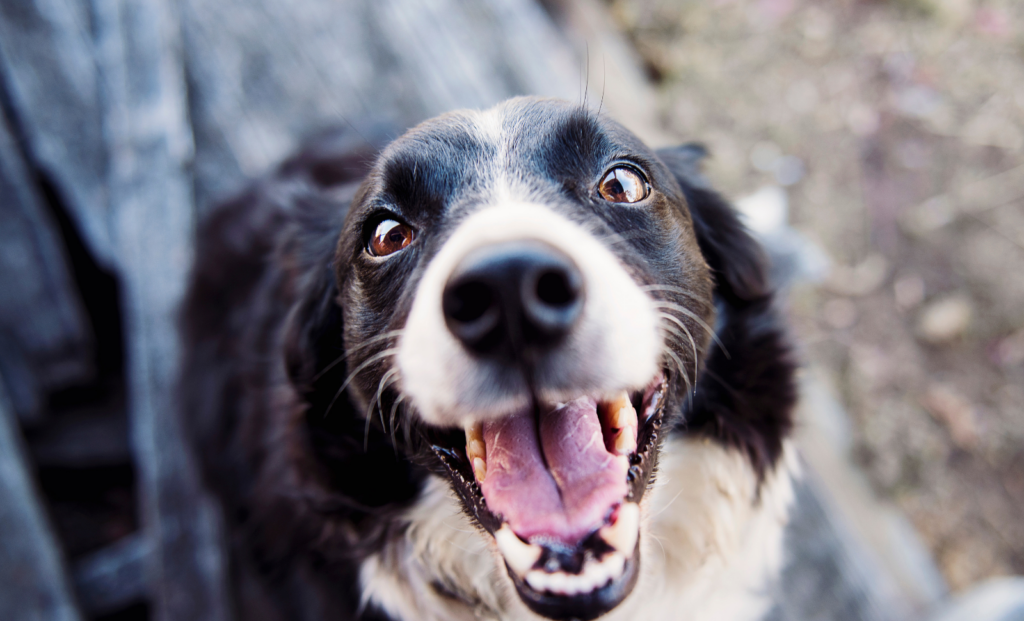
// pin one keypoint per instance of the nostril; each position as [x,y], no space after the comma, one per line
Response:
[552,299]
[471,311]
[468,302]
[556,288]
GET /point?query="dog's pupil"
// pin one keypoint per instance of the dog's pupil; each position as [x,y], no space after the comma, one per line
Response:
[614,187]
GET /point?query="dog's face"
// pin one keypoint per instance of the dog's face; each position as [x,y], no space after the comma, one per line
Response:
[524,296]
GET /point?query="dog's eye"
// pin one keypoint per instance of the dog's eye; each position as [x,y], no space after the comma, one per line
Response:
[389,237]
[623,185]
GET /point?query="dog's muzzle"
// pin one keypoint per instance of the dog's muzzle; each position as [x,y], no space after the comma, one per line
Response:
[529,334]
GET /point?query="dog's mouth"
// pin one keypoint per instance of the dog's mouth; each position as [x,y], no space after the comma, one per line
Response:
[558,486]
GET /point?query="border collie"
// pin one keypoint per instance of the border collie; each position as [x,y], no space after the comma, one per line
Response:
[529,368]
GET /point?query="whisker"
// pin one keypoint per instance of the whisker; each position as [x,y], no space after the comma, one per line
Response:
[689,313]
[391,421]
[385,380]
[366,343]
[674,289]
[682,371]
[693,343]
[372,359]
[669,504]
[664,554]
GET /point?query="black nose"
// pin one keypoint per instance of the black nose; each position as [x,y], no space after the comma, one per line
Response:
[523,295]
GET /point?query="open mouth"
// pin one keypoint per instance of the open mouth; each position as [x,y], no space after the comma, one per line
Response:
[559,486]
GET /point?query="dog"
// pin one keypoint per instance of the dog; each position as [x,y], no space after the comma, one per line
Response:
[517,365]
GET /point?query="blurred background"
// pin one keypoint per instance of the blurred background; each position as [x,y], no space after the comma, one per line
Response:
[875,147]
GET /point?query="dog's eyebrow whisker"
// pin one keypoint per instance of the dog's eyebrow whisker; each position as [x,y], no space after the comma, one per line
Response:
[689,313]
[372,359]
[693,343]
[366,343]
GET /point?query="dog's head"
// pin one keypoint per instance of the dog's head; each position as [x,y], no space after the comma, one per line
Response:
[527,305]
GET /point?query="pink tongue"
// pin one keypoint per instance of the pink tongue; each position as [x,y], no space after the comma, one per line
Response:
[568,499]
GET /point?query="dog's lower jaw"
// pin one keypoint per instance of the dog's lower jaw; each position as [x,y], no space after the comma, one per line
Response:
[711,544]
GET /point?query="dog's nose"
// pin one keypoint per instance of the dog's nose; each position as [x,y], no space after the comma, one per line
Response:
[519,294]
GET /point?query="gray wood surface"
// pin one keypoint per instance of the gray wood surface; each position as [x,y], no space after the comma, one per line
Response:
[33,582]
[48,67]
[152,227]
[45,339]
[114,577]
[264,74]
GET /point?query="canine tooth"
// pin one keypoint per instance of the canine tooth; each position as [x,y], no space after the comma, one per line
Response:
[479,469]
[475,441]
[623,533]
[625,415]
[519,555]
[624,442]
[621,400]
[476,450]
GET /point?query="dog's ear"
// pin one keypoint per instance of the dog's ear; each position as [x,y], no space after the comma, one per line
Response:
[735,258]
[746,393]
[312,337]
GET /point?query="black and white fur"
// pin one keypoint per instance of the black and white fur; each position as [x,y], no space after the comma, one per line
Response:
[336,502]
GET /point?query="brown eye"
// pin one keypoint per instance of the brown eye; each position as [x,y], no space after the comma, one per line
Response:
[390,237]
[623,185]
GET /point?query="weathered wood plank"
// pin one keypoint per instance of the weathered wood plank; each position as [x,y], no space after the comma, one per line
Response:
[45,338]
[83,438]
[153,221]
[33,583]
[263,74]
[50,78]
[110,579]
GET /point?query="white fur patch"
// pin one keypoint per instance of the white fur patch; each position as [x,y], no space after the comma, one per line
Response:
[614,347]
[710,548]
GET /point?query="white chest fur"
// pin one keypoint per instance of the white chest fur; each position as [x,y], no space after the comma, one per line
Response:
[710,547]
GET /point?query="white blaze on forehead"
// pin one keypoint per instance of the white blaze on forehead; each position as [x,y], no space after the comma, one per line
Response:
[490,127]
[615,343]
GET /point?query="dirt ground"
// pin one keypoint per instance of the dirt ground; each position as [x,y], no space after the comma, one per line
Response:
[897,130]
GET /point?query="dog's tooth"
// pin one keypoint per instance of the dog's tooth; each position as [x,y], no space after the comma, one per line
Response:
[624,442]
[613,407]
[476,450]
[615,564]
[479,469]
[625,414]
[519,555]
[475,440]
[622,535]
[537,580]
